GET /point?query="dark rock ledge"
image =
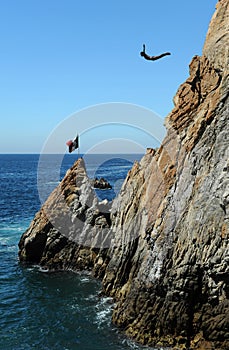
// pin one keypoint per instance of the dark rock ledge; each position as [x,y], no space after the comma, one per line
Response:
[101,184]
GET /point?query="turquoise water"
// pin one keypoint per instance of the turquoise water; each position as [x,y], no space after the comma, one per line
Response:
[41,310]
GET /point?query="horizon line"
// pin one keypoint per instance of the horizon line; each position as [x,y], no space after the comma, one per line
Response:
[70,154]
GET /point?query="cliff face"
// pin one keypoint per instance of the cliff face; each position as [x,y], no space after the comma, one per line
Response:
[162,251]
[169,265]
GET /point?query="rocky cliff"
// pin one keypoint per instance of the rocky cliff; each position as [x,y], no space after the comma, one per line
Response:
[162,249]
[70,230]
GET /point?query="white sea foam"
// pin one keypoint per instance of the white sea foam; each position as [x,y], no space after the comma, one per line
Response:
[84,279]
[52,183]
[103,311]
[91,297]
[41,269]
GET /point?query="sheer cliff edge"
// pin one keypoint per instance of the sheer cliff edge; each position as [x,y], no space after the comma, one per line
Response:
[162,248]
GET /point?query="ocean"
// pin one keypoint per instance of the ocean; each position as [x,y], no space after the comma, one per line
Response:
[51,311]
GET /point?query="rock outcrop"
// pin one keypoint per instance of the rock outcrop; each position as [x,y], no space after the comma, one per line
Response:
[162,248]
[70,230]
[101,184]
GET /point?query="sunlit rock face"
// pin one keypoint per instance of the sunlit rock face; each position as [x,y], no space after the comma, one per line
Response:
[161,249]
[169,262]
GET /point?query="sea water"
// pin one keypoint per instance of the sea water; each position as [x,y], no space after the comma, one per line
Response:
[51,311]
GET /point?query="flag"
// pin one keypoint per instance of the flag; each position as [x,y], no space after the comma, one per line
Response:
[73,145]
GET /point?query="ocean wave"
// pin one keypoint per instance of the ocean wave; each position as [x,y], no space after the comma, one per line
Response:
[103,311]
[10,228]
[52,183]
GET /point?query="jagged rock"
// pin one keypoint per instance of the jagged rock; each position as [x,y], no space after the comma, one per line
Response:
[169,267]
[69,228]
[101,184]
[162,246]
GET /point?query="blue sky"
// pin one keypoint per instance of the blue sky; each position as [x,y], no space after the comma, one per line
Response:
[59,57]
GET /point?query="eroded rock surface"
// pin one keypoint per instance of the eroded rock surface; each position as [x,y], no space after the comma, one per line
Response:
[70,230]
[162,249]
[169,269]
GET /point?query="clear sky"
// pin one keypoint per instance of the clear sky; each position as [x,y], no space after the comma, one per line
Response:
[61,56]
